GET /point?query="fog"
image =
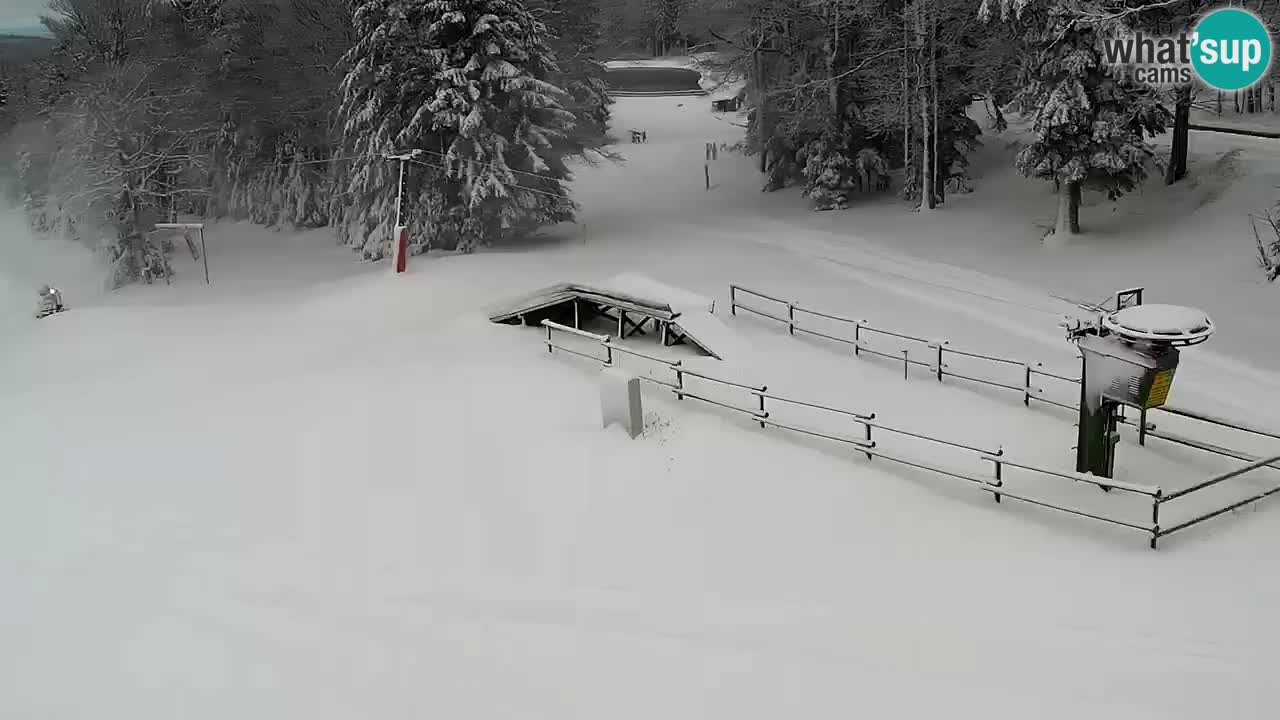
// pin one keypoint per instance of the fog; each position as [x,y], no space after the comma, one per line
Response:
[27,261]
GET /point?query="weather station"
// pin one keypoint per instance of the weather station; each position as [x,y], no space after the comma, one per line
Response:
[1129,358]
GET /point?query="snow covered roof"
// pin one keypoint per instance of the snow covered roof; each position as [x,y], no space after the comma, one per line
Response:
[629,291]
[644,286]
[632,292]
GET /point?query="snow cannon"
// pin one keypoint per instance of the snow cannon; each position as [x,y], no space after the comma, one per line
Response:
[48,301]
[1130,356]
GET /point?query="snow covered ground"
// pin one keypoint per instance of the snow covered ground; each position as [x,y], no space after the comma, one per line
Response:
[315,489]
[1260,122]
[26,262]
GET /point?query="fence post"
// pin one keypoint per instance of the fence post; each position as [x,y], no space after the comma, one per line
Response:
[906,363]
[608,352]
[679,380]
[1155,517]
[763,390]
[549,346]
[866,426]
[791,318]
[939,362]
[1026,394]
[857,337]
[733,300]
[999,472]
[1142,427]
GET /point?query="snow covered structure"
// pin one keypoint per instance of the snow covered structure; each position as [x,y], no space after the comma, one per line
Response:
[1129,361]
[48,301]
[632,301]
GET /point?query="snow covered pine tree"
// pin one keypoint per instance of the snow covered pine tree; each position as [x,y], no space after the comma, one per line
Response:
[573,35]
[1089,124]
[465,81]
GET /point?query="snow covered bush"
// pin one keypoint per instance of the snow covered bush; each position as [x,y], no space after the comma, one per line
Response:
[465,82]
[277,179]
[831,172]
[829,175]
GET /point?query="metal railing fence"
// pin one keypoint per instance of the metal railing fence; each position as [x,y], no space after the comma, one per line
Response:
[867,444]
[939,349]
[935,351]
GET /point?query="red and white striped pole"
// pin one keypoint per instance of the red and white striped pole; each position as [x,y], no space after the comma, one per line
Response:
[400,253]
[400,244]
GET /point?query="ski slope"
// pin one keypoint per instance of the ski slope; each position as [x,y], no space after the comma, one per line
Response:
[315,489]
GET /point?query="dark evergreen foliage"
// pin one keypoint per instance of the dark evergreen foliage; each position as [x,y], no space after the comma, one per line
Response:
[466,82]
[1090,124]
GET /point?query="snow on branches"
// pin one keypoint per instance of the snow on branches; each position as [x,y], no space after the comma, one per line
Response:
[1090,123]
[468,83]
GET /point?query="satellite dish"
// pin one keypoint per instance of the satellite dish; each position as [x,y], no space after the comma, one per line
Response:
[1172,325]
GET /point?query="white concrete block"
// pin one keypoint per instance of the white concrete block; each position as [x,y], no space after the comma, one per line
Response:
[620,400]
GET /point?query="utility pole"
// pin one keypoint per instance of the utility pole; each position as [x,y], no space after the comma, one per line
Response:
[400,246]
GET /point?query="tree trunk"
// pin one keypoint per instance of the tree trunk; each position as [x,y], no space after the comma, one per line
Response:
[1073,206]
[762,102]
[1181,134]
[939,180]
[906,95]
[1068,214]
[922,94]
[1001,123]
[834,91]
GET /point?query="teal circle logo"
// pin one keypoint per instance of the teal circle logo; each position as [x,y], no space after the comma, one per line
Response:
[1231,49]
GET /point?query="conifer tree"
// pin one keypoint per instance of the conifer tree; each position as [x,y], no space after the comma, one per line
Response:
[1090,124]
[466,82]
[4,102]
[574,35]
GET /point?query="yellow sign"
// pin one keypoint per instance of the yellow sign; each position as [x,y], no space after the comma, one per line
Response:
[1160,388]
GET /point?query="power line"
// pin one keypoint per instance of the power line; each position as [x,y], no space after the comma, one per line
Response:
[274,163]
[521,187]
[512,170]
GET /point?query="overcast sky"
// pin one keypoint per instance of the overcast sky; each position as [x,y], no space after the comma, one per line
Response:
[21,13]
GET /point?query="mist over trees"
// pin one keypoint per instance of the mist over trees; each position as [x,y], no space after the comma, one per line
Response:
[283,112]
[845,92]
[251,109]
